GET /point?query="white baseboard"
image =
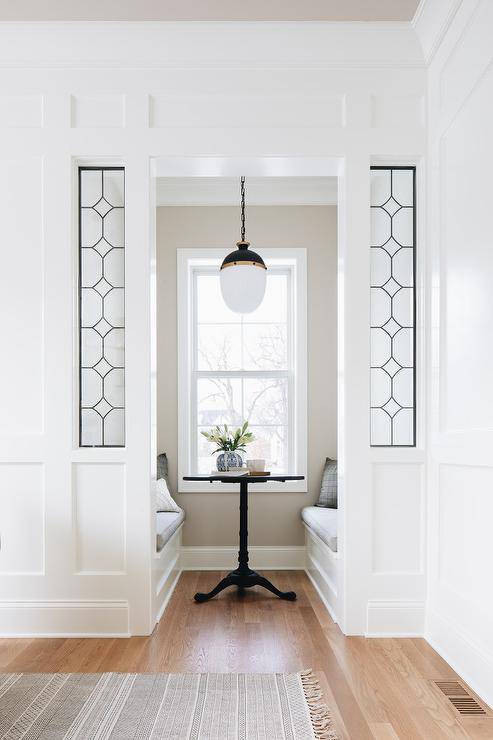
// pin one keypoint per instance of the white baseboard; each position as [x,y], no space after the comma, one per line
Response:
[395,618]
[462,654]
[226,558]
[169,593]
[104,618]
[322,596]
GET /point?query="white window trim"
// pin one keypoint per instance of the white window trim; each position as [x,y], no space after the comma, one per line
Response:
[295,259]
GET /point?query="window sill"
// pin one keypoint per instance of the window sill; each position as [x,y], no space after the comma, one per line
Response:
[297,486]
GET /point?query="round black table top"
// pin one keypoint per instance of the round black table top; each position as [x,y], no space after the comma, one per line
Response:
[238,478]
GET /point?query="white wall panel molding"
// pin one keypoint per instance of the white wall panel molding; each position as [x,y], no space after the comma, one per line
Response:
[247,45]
[246,110]
[395,618]
[395,111]
[22,295]
[263,558]
[97,618]
[465,510]
[21,111]
[465,274]
[398,527]
[97,111]
[22,519]
[99,518]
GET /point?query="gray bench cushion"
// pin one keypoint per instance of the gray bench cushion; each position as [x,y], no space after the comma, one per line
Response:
[167,522]
[323,522]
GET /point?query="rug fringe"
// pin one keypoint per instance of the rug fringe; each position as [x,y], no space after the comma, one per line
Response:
[320,715]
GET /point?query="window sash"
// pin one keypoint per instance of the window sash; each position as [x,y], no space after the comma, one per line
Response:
[291,260]
[196,374]
[241,375]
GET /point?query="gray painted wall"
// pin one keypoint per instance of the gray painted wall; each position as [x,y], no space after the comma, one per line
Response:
[212,518]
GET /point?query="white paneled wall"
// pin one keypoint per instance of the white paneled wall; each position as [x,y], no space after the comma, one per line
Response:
[97,111]
[22,295]
[460,485]
[22,517]
[398,539]
[396,604]
[21,111]
[99,517]
[123,94]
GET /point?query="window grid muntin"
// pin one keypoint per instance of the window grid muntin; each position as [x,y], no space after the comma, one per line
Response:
[81,288]
[196,374]
[391,170]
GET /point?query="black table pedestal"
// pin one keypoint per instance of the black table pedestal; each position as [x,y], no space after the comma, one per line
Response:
[244,577]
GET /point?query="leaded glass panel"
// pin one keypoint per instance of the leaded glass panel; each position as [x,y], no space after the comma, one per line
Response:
[392,375]
[102,306]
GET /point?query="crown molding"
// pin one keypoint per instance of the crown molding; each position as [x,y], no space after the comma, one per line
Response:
[431,22]
[188,45]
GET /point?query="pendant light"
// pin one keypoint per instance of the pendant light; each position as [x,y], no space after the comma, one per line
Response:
[243,273]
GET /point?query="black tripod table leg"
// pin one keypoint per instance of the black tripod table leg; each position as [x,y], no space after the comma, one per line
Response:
[265,583]
[228,581]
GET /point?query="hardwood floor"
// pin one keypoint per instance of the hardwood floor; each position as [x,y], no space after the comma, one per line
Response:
[377,688]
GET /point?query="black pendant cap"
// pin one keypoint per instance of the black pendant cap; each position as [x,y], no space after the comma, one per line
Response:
[243,255]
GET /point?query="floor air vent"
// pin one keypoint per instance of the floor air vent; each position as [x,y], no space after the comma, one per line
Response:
[460,697]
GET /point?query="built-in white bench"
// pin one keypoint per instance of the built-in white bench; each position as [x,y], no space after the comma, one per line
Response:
[166,566]
[322,559]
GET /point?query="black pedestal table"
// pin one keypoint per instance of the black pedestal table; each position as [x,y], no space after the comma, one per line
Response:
[243,577]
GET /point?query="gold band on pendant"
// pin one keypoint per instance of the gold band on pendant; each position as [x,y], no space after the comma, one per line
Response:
[243,262]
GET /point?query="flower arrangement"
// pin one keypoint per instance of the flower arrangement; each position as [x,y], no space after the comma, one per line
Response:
[228,440]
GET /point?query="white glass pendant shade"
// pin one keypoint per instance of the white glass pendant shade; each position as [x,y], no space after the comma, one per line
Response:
[243,287]
[243,272]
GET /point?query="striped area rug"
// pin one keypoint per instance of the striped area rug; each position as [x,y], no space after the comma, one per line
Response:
[142,706]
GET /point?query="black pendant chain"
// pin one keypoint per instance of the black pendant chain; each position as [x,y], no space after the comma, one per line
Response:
[242,191]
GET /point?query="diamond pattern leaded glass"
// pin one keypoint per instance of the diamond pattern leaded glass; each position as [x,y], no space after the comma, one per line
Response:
[101,304]
[392,385]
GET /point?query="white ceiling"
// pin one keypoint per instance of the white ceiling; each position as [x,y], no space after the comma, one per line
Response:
[260,191]
[208,10]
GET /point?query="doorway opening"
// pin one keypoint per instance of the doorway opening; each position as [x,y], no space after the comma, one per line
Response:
[275,369]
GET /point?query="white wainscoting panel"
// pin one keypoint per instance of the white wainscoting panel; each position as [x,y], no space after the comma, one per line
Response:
[238,111]
[460,484]
[99,517]
[466,389]
[97,111]
[21,296]
[397,518]
[397,111]
[21,111]
[22,519]
[465,547]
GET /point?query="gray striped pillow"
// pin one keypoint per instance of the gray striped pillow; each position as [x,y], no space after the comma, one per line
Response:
[328,489]
[162,467]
